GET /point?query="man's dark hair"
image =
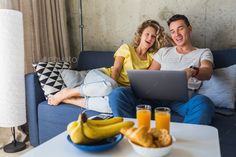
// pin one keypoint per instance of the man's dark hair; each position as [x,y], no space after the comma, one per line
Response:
[178,17]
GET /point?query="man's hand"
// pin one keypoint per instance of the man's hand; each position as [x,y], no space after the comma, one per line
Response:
[190,72]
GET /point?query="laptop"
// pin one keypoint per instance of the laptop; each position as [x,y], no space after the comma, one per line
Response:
[159,85]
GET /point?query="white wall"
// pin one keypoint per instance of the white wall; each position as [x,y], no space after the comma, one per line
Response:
[109,23]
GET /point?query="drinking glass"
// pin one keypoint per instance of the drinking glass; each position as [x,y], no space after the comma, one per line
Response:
[162,118]
[143,115]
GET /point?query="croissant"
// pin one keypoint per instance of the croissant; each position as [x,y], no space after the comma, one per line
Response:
[148,138]
[161,137]
[139,136]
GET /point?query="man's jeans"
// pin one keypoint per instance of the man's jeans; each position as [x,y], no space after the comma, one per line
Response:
[197,110]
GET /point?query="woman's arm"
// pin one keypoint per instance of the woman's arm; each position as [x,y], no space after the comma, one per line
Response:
[155,66]
[118,64]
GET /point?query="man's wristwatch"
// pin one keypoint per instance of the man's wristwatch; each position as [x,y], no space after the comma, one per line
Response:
[195,68]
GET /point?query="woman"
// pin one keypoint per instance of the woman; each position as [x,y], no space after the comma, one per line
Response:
[148,39]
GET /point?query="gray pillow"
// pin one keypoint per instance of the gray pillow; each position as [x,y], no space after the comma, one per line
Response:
[221,88]
[73,78]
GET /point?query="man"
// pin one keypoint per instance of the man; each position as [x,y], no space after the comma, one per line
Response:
[198,64]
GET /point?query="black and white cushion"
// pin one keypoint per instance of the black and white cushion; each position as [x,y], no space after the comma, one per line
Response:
[49,76]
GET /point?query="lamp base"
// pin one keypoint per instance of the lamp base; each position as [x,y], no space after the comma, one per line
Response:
[14,146]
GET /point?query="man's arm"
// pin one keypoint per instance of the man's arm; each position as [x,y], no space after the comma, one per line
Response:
[204,72]
[155,66]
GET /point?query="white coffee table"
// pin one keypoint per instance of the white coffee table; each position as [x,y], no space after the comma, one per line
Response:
[191,141]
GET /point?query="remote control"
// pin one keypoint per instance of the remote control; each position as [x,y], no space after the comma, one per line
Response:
[102,116]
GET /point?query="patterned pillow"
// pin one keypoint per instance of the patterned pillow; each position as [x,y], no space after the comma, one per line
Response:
[49,76]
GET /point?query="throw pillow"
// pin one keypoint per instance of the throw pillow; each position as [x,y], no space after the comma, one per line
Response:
[221,88]
[49,76]
[73,78]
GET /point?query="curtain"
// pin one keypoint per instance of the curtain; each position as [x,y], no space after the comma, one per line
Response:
[46,37]
[45,29]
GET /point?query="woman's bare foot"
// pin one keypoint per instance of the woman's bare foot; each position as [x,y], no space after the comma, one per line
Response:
[62,95]
[78,101]
[56,99]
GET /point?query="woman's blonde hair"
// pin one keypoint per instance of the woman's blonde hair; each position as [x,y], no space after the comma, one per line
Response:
[162,39]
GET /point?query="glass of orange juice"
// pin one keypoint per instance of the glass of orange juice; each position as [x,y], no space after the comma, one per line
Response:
[143,115]
[162,118]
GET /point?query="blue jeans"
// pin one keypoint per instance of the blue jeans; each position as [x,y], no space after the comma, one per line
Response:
[197,110]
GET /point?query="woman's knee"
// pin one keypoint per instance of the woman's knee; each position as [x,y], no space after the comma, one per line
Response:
[96,89]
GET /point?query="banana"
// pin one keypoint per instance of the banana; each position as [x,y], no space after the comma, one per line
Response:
[75,130]
[71,126]
[104,122]
[102,132]
[84,131]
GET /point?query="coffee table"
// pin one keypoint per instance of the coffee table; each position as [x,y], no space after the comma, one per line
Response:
[191,141]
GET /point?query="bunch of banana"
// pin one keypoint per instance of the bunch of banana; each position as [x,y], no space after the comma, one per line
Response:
[76,133]
[97,132]
[86,131]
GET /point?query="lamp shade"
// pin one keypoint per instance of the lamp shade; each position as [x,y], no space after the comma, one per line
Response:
[12,84]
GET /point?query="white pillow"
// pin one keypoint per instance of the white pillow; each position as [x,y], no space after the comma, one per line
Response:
[73,78]
[221,88]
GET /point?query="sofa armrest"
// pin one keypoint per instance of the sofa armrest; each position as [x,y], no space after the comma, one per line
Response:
[34,95]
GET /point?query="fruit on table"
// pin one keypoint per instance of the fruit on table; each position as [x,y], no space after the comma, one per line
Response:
[85,131]
[102,132]
[105,121]
[75,131]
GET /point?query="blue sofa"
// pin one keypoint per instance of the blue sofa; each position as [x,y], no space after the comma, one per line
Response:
[47,121]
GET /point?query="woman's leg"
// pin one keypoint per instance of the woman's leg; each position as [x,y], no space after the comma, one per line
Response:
[78,101]
[96,84]
[62,95]
[100,104]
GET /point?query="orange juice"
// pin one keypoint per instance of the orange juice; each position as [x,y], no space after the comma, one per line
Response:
[162,118]
[143,118]
[143,115]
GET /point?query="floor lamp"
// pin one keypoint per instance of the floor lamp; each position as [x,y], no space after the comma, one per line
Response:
[12,84]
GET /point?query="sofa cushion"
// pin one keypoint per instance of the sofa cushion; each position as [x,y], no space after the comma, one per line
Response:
[49,76]
[73,78]
[221,88]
